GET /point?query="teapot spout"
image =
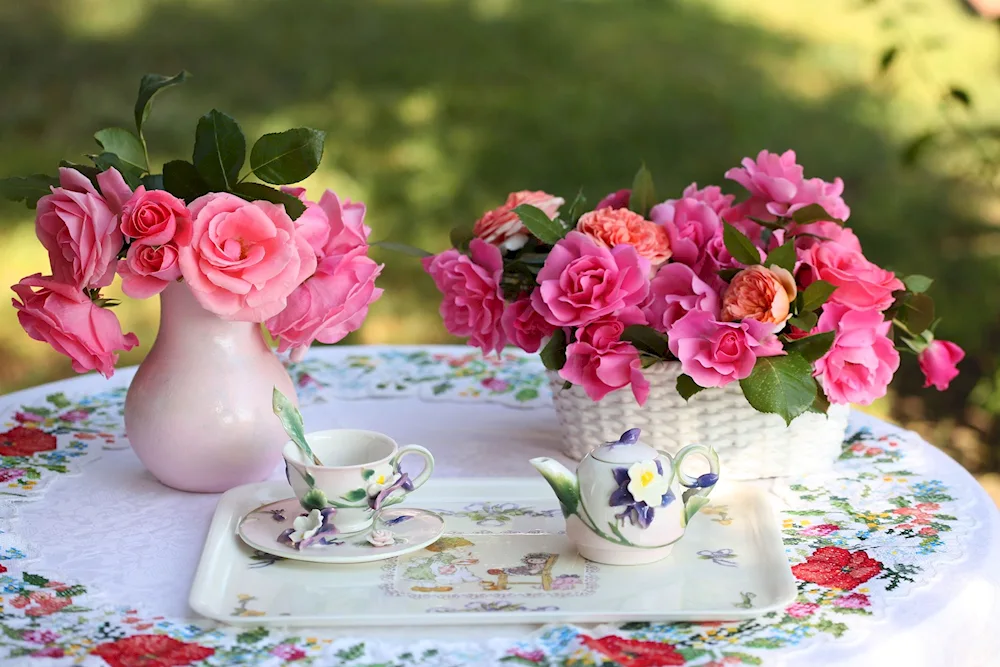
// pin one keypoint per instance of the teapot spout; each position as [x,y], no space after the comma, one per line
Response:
[562,481]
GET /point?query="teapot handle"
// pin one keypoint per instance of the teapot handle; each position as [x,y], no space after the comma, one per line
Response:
[699,487]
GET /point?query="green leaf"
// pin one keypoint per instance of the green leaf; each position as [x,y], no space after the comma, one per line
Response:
[153,181]
[255,191]
[911,153]
[460,238]
[182,180]
[540,225]
[643,196]
[918,284]
[739,245]
[149,86]
[314,499]
[576,208]
[85,169]
[692,506]
[28,189]
[403,248]
[812,347]
[781,385]
[526,394]
[59,400]
[888,57]
[131,173]
[728,274]
[687,387]
[287,157]
[72,591]
[291,421]
[960,96]
[354,495]
[646,339]
[252,636]
[34,579]
[918,313]
[816,295]
[366,473]
[219,150]
[813,213]
[822,404]
[124,144]
[783,256]
[554,353]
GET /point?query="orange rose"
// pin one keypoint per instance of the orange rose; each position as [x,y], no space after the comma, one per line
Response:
[502,227]
[609,227]
[759,293]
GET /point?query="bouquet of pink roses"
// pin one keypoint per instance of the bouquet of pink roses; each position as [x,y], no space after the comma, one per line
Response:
[246,250]
[772,292]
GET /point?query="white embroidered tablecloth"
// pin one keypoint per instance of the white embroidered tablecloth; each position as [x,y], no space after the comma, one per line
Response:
[896,550]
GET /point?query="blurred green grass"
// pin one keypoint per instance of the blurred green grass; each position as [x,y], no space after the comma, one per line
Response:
[435,109]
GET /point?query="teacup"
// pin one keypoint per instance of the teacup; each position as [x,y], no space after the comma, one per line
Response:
[359,476]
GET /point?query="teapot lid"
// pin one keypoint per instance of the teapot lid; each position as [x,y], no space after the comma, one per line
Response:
[627,449]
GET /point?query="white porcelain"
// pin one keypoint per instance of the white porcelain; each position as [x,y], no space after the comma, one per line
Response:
[198,411]
[396,532]
[488,568]
[628,503]
[359,476]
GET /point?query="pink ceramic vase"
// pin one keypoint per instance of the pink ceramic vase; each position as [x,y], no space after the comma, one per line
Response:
[198,412]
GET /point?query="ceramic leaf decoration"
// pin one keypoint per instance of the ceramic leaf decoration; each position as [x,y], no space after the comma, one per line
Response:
[291,420]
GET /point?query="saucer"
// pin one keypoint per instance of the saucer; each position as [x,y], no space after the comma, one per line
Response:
[412,530]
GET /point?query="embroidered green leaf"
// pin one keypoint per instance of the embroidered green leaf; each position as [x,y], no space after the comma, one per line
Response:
[544,228]
[252,636]
[291,421]
[781,385]
[72,591]
[687,387]
[643,195]
[34,579]
[59,400]
[525,395]
[355,495]
[739,245]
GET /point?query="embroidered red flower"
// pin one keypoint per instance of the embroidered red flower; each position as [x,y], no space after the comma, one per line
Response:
[633,652]
[151,651]
[834,567]
[23,441]
[2,568]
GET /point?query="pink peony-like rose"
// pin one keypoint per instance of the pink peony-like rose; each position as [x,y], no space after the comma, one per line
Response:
[330,304]
[610,227]
[62,316]
[690,224]
[861,285]
[862,360]
[716,353]
[938,361]
[147,270]
[711,195]
[473,302]
[155,218]
[581,281]
[618,199]
[524,327]
[245,258]
[673,293]
[760,293]
[830,232]
[778,183]
[79,227]
[600,362]
[502,227]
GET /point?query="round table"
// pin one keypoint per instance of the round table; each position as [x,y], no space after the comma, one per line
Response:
[97,570]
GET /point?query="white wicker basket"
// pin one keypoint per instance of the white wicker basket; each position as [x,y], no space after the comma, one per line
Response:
[751,444]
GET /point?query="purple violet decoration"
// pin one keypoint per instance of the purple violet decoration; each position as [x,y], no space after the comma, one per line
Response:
[629,437]
[639,513]
[375,502]
[321,536]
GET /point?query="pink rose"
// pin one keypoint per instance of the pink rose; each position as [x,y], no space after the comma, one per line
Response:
[155,218]
[330,304]
[610,227]
[581,281]
[524,326]
[79,227]
[778,182]
[473,302]
[619,199]
[313,225]
[714,258]
[801,609]
[833,232]
[600,362]
[760,293]
[502,227]
[347,224]
[690,224]
[673,293]
[245,258]
[860,284]
[938,361]
[147,270]
[716,353]
[862,360]
[711,195]
[62,316]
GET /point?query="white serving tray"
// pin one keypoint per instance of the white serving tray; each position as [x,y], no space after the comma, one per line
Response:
[503,559]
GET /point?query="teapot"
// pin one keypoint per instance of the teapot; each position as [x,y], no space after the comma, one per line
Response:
[628,503]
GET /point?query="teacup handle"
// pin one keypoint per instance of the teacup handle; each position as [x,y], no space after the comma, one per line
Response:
[699,487]
[425,474]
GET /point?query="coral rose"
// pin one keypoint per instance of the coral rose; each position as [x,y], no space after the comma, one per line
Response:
[690,224]
[861,362]
[600,362]
[62,316]
[673,293]
[716,353]
[524,326]
[503,227]
[610,227]
[473,302]
[582,281]
[155,218]
[938,363]
[147,270]
[79,227]
[778,185]
[760,293]
[245,258]
[861,285]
